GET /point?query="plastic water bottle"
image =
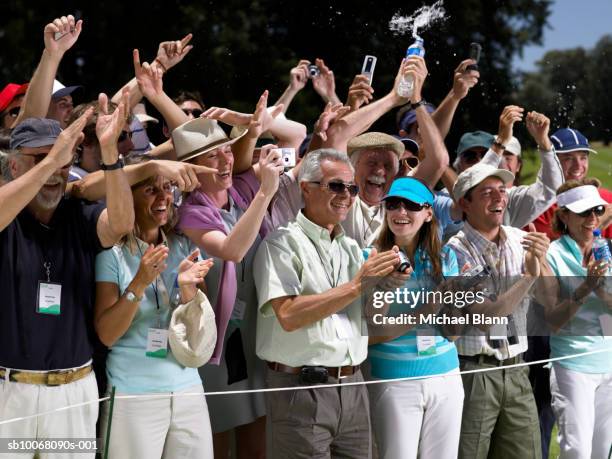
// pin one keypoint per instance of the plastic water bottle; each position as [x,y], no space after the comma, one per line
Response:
[601,249]
[406,85]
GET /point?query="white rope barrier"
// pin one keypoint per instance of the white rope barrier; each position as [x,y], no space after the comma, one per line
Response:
[317,386]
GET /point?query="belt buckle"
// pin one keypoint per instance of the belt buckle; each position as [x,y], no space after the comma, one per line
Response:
[340,376]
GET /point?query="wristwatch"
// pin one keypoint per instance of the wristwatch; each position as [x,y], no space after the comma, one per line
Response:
[132,297]
[418,104]
[111,167]
[497,143]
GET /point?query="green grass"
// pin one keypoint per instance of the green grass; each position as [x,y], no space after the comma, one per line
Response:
[600,165]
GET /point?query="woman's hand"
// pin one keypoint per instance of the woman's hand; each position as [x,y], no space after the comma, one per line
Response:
[192,273]
[152,264]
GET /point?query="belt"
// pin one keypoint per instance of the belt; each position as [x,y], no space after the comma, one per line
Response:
[335,372]
[48,378]
[482,359]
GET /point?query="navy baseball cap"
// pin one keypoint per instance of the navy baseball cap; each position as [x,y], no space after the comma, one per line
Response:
[412,189]
[59,90]
[35,132]
[566,140]
[409,144]
[408,118]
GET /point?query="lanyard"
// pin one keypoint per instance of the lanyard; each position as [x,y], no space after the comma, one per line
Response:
[330,279]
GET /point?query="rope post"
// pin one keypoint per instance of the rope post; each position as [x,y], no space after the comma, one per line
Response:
[110,422]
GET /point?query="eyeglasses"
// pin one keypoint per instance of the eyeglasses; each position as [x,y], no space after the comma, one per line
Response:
[395,203]
[124,135]
[41,156]
[598,211]
[472,156]
[339,187]
[196,112]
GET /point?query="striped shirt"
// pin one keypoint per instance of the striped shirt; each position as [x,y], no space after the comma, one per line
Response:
[506,263]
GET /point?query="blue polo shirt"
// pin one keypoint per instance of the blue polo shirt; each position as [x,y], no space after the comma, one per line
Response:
[30,340]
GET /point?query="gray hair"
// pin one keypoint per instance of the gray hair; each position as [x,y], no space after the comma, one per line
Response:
[5,168]
[310,170]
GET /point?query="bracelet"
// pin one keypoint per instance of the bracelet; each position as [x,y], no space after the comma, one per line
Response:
[161,65]
[418,104]
[111,167]
[497,143]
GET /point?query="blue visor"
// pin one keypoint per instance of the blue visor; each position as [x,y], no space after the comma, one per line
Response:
[412,189]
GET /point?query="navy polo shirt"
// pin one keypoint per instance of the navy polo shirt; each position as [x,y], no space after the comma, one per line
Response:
[30,340]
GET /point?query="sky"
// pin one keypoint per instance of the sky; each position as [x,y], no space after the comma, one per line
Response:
[572,23]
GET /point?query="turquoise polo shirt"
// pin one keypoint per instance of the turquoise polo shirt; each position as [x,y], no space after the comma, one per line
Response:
[127,366]
[565,259]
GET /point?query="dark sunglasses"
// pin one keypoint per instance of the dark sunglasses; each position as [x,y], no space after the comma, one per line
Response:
[39,157]
[472,156]
[339,187]
[196,112]
[598,211]
[124,135]
[396,203]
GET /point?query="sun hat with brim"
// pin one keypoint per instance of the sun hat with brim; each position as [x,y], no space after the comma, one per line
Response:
[59,90]
[412,189]
[9,92]
[35,132]
[375,140]
[474,139]
[144,118]
[192,333]
[580,199]
[566,140]
[409,144]
[472,176]
[513,146]
[199,136]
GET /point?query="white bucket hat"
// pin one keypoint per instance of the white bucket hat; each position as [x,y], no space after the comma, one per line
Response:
[472,176]
[192,334]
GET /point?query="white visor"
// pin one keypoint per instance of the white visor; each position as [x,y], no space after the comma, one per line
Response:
[580,199]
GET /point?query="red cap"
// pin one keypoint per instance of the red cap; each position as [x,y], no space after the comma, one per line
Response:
[9,93]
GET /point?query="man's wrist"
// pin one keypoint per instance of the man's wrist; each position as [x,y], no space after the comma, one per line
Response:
[546,145]
[159,64]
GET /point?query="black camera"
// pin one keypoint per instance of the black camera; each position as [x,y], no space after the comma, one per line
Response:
[313,375]
[313,71]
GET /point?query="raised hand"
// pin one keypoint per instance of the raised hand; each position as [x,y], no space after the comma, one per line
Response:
[510,115]
[67,32]
[149,77]
[464,80]
[270,167]
[325,83]
[110,126]
[330,114]
[377,265]
[62,151]
[185,175]
[262,118]
[298,76]
[171,53]
[415,67]
[538,126]
[359,93]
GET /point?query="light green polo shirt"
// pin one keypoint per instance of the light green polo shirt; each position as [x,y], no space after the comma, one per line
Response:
[583,332]
[302,259]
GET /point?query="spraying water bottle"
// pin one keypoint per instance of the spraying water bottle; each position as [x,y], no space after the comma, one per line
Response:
[406,85]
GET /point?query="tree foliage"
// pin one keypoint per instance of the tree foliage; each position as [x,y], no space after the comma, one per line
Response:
[243,47]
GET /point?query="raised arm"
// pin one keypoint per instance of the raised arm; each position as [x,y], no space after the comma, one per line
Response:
[17,193]
[169,54]
[118,218]
[325,83]
[235,245]
[38,96]
[463,81]
[298,77]
[356,122]
[149,79]
[430,168]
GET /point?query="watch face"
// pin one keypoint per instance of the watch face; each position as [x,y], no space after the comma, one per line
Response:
[131,297]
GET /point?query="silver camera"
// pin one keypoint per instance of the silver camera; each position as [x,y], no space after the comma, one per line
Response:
[313,71]
[404,263]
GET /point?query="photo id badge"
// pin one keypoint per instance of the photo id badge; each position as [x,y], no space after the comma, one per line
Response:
[49,298]
[157,343]
[426,342]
